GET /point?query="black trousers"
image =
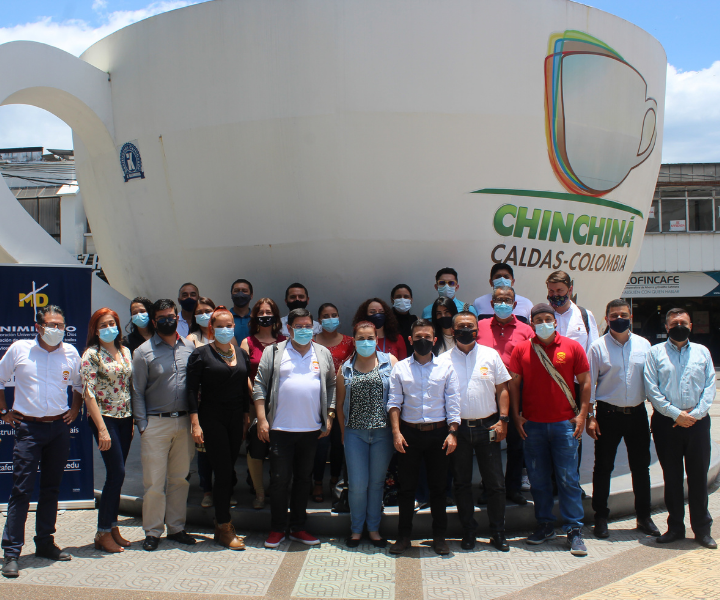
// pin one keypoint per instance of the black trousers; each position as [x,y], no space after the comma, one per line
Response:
[489,460]
[46,445]
[691,445]
[222,429]
[292,454]
[423,445]
[515,460]
[635,430]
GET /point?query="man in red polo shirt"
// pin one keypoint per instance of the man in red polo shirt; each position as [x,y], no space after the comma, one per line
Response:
[551,422]
[503,332]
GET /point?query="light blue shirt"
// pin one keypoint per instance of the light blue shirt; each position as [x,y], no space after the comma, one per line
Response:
[616,370]
[427,311]
[425,393]
[677,380]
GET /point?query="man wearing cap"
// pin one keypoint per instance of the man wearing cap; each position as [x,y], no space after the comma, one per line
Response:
[501,275]
[551,422]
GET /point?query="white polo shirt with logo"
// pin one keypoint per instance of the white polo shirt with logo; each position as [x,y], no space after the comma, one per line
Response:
[298,404]
[478,372]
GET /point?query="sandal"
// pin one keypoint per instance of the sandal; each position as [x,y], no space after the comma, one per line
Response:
[317,493]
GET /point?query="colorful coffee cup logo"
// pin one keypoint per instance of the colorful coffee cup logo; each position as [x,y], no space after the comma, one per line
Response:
[600,124]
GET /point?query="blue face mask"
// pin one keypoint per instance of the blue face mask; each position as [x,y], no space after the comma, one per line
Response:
[108,334]
[141,319]
[402,304]
[330,324]
[502,310]
[203,320]
[502,282]
[365,347]
[224,334]
[446,291]
[302,336]
[544,330]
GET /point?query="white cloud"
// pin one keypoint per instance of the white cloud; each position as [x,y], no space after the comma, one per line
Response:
[692,115]
[29,126]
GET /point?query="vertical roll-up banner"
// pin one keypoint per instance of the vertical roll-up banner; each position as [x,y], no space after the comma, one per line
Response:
[24,288]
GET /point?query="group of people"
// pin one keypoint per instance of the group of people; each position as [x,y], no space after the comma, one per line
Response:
[433,391]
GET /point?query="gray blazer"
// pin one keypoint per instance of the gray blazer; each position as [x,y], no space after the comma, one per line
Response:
[267,380]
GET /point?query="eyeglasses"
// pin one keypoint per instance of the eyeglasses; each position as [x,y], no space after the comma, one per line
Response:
[166,320]
[60,326]
[302,326]
[450,283]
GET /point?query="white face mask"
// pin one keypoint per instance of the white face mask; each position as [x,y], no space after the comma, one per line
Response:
[52,336]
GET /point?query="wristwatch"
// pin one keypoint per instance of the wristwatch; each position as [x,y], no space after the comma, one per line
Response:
[3,412]
[504,418]
[331,414]
[591,414]
[452,432]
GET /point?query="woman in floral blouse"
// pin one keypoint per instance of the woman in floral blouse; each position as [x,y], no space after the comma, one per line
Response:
[107,375]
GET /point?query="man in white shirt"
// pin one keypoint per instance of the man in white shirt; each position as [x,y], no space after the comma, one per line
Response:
[484,413]
[297,296]
[501,275]
[573,321]
[43,367]
[294,396]
[617,411]
[424,410]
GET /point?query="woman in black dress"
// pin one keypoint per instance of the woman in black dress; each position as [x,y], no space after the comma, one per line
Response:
[220,372]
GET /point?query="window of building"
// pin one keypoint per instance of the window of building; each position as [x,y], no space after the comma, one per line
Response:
[684,210]
[674,214]
[700,214]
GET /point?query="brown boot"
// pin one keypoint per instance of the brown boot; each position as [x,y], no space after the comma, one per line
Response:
[119,539]
[104,541]
[225,536]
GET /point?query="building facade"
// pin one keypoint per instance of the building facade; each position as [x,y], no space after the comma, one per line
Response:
[679,264]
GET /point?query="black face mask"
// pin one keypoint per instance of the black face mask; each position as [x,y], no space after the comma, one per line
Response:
[422,346]
[465,336]
[378,319]
[619,325]
[188,304]
[297,304]
[166,326]
[445,322]
[265,321]
[241,299]
[679,333]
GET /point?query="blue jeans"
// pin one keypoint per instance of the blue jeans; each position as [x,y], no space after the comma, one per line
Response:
[121,432]
[548,445]
[367,454]
[36,444]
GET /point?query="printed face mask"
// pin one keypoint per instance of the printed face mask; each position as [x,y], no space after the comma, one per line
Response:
[265,321]
[465,336]
[558,301]
[167,326]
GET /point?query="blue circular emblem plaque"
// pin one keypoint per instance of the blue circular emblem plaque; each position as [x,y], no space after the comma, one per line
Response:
[130,162]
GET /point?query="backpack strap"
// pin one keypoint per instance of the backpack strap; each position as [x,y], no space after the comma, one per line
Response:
[586,321]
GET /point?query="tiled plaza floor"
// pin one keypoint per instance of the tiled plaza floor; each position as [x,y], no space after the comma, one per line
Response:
[333,571]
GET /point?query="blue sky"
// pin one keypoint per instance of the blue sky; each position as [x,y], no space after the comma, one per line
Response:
[686,28]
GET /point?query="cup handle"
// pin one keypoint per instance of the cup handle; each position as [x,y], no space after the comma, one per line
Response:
[649,131]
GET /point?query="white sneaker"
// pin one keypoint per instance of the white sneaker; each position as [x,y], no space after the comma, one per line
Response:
[207,501]
[525,483]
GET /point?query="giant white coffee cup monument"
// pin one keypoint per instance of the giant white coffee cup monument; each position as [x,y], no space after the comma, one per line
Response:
[352,145]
